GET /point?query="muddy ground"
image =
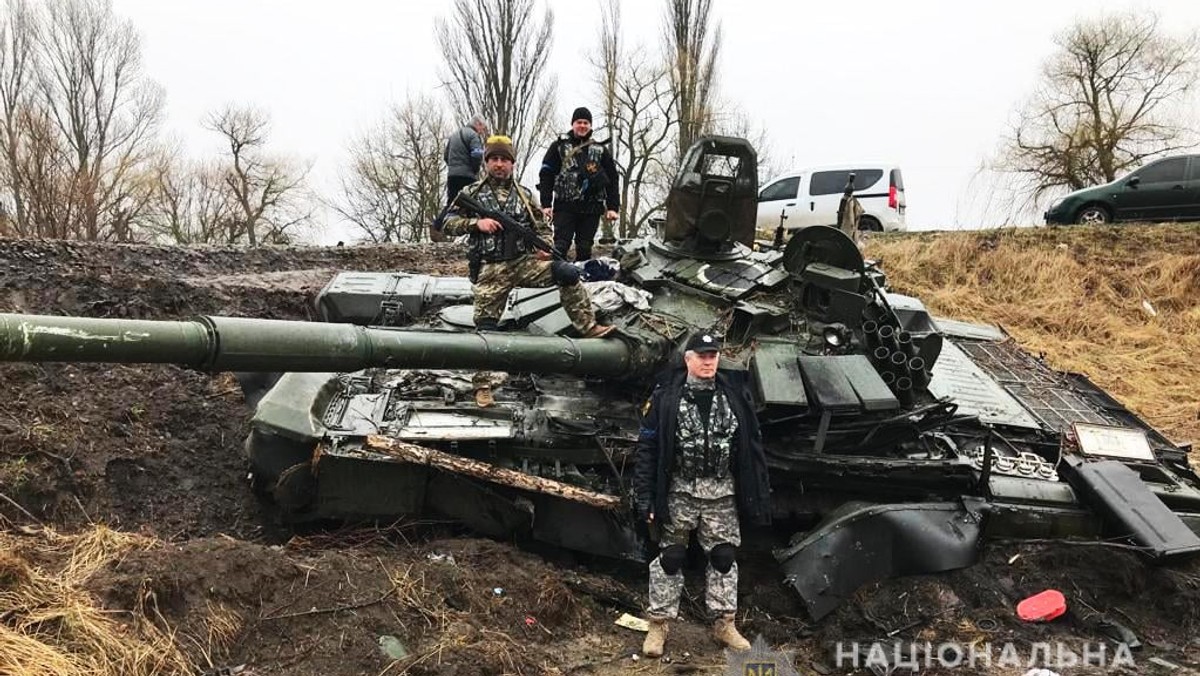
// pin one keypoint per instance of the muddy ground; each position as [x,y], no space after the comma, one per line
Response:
[156,450]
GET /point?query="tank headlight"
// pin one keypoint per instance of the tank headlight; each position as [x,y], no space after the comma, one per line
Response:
[836,335]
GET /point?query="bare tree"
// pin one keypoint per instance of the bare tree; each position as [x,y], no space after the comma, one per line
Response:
[692,52]
[104,109]
[1110,97]
[607,63]
[16,74]
[374,190]
[267,190]
[192,204]
[40,181]
[394,188]
[495,55]
[658,107]
[644,122]
[79,120]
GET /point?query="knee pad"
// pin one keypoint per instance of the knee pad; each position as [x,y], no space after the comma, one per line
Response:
[563,273]
[722,557]
[672,559]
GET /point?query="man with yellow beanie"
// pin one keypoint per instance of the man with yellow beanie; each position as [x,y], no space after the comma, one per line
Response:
[507,260]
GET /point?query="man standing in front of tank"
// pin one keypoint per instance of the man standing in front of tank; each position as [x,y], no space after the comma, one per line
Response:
[578,182]
[506,260]
[700,466]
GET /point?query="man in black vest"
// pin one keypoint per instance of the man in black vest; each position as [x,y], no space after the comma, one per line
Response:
[578,183]
[700,467]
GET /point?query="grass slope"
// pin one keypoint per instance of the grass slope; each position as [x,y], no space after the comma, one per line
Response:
[1119,304]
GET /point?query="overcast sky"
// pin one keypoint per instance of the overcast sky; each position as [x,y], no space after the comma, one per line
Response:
[927,84]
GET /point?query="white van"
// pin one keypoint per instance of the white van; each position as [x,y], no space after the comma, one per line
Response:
[811,197]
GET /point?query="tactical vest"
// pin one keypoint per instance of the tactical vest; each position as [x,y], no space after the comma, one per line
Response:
[704,451]
[581,177]
[502,245]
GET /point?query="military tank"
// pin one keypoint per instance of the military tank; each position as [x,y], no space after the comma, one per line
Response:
[897,441]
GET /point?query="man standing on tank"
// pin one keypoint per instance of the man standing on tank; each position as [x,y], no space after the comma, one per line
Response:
[578,183]
[464,155]
[700,466]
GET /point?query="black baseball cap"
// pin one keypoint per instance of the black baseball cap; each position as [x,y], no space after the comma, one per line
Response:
[703,342]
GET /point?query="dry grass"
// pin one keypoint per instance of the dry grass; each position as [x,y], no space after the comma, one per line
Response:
[51,627]
[455,635]
[1119,304]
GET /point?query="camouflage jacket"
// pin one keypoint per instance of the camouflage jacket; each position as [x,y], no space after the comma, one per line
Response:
[509,197]
[657,444]
[703,446]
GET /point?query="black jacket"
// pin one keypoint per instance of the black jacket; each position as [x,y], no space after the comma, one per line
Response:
[656,449]
[552,166]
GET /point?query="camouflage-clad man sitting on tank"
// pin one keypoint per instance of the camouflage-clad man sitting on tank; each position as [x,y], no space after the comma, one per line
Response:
[509,263]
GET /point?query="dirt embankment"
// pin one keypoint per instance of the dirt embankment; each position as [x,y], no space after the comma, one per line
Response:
[130,543]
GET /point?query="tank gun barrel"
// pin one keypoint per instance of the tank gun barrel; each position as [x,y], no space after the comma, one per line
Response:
[240,344]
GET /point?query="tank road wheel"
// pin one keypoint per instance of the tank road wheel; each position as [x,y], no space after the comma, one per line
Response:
[1093,214]
[869,224]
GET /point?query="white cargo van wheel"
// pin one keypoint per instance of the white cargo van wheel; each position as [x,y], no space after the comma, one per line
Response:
[869,223]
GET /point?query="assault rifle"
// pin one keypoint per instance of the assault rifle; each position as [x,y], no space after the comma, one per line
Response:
[511,227]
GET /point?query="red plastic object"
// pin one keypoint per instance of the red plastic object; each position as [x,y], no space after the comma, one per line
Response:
[1042,607]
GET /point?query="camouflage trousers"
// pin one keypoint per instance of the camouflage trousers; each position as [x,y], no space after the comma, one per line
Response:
[715,522]
[496,280]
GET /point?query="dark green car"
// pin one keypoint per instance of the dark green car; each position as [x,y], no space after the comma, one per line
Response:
[1164,190]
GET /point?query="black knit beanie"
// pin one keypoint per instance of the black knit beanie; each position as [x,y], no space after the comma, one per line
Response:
[581,113]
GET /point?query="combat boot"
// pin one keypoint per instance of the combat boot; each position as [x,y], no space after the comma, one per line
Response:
[726,633]
[655,638]
[598,331]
